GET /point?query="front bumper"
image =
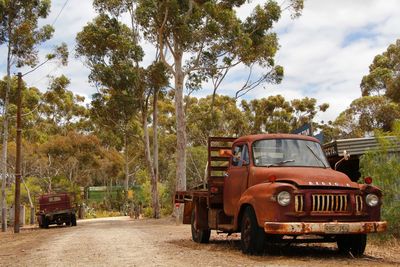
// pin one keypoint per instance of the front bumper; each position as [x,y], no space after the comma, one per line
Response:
[301,228]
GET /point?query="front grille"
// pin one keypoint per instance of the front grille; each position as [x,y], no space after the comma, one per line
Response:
[359,203]
[298,203]
[329,203]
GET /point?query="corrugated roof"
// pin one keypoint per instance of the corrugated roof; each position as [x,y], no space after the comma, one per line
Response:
[357,146]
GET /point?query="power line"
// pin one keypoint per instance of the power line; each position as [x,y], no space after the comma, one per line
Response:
[35,84]
[59,13]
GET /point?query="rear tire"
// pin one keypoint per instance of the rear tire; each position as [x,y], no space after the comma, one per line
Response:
[199,235]
[252,236]
[40,221]
[45,222]
[352,243]
[73,219]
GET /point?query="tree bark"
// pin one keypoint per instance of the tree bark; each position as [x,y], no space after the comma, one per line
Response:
[126,181]
[155,177]
[180,131]
[147,152]
[5,142]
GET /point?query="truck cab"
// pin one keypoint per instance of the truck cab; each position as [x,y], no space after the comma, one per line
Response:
[278,187]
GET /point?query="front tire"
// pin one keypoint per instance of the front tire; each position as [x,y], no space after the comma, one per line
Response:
[252,236]
[199,235]
[354,244]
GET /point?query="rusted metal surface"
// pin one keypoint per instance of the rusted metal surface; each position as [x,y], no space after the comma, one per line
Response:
[301,228]
[303,177]
[187,196]
[252,138]
[55,209]
[323,201]
[236,183]
[187,212]
[54,203]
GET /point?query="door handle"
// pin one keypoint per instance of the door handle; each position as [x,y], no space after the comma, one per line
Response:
[226,175]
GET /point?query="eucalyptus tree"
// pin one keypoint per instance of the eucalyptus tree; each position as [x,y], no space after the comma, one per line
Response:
[156,81]
[148,82]
[305,110]
[113,55]
[366,114]
[269,115]
[61,110]
[20,34]
[384,74]
[277,115]
[228,120]
[189,33]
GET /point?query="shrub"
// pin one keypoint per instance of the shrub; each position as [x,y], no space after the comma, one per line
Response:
[384,166]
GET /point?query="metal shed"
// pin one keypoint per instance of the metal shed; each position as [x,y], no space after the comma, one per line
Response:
[356,147]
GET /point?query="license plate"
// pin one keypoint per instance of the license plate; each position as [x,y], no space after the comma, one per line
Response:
[336,228]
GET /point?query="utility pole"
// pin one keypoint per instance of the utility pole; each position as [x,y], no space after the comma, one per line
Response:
[17,202]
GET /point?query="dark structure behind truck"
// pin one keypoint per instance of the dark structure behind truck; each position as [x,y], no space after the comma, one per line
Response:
[356,148]
[55,209]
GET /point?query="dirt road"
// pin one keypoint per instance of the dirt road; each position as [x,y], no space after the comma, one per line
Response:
[124,242]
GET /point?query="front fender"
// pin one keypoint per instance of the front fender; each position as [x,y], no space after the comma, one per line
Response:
[262,198]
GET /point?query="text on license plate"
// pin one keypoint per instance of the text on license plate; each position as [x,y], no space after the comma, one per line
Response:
[336,228]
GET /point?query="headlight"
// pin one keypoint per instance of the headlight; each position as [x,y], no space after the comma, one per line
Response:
[372,200]
[283,198]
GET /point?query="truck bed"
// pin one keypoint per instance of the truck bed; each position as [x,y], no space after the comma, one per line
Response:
[216,167]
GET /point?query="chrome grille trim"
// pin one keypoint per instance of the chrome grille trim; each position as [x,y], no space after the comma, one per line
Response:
[359,203]
[299,203]
[329,203]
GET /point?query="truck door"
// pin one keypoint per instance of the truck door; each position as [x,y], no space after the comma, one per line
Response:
[235,182]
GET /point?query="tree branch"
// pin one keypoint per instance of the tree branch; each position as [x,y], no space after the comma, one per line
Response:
[161,43]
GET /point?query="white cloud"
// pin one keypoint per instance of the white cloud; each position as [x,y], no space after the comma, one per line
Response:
[328,49]
[325,52]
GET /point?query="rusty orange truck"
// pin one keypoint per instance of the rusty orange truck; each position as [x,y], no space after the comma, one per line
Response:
[280,188]
[55,208]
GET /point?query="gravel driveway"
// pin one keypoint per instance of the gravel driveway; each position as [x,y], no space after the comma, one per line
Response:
[122,241]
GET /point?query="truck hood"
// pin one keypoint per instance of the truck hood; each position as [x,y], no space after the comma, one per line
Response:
[306,176]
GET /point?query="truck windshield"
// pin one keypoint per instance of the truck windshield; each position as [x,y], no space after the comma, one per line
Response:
[288,152]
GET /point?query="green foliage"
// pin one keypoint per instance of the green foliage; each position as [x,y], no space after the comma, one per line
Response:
[142,196]
[19,28]
[226,120]
[196,165]
[34,186]
[384,167]
[384,76]
[366,114]
[266,115]
[110,52]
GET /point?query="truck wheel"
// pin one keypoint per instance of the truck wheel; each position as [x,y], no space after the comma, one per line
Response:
[199,235]
[40,221]
[252,236]
[73,220]
[352,243]
[45,222]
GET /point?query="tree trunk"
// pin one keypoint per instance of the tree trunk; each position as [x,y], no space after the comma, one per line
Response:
[148,155]
[154,178]
[5,142]
[126,181]
[180,131]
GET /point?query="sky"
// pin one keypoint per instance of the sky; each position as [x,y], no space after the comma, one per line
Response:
[325,52]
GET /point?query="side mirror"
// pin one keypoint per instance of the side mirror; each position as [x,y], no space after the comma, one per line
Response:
[346,156]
